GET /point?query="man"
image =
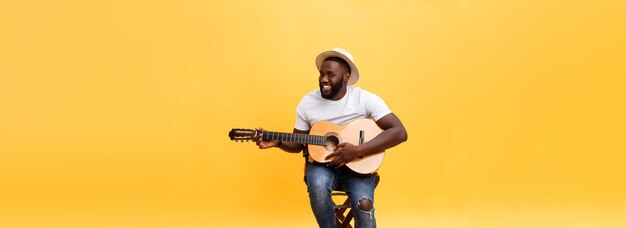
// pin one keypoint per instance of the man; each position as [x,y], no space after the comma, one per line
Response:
[338,102]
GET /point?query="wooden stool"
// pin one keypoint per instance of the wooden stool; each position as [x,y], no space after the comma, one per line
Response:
[343,219]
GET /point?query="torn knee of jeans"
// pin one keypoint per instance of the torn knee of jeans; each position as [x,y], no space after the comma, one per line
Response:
[366,204]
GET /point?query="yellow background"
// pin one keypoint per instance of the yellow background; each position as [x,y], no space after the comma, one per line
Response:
[116,113]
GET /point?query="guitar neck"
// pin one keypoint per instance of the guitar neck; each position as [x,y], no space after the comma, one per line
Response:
[295,137]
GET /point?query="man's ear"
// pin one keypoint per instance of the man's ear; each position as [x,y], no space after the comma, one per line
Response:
[346,76]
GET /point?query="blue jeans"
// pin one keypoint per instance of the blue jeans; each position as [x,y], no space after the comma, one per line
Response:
[321,180]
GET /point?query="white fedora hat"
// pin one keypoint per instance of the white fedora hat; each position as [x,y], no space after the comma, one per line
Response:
[343,54]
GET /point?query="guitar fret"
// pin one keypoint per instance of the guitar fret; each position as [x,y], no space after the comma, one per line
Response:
[294,137]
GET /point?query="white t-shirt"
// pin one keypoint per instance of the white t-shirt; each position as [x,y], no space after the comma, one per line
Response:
[356,104]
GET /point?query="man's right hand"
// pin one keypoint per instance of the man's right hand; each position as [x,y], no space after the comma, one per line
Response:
[263,144]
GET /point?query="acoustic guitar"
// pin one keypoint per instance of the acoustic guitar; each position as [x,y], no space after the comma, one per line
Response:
[322,139]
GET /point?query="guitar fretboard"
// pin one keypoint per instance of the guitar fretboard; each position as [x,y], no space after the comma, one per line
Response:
[295,137]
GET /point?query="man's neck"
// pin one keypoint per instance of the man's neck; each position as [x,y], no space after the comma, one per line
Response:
[341,94]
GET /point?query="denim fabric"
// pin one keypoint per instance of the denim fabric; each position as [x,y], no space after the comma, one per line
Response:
[321,180]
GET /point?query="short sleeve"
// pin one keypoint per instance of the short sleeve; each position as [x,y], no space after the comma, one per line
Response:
[375,106]
[302,122]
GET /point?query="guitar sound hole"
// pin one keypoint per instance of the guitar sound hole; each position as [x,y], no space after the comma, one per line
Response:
[331,142]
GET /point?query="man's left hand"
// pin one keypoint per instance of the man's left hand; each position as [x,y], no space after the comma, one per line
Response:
[344,153]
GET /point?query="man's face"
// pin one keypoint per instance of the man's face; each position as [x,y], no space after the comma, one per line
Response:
[331,79]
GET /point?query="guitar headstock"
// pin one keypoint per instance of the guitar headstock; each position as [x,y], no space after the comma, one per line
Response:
[241,134]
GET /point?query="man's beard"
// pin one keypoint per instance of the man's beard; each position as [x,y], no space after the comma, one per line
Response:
[334,89]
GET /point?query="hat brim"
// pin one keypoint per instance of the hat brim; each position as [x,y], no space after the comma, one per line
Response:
[354,72]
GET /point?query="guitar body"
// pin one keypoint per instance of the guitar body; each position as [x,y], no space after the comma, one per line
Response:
[349,133]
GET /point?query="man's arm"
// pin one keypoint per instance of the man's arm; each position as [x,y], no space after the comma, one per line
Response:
[290,147]
[392,135]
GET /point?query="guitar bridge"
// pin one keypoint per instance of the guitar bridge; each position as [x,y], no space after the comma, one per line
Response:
[361,137]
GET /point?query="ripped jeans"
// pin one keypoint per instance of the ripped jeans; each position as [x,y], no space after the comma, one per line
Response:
[321,180]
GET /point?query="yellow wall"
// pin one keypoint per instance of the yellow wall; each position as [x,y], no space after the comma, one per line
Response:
[115,113]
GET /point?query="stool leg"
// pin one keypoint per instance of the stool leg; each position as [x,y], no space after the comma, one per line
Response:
[348,218]
[341,219]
